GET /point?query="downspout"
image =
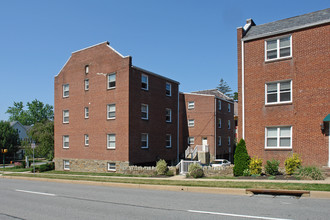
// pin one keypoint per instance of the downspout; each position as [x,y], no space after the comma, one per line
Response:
[215,128]
[243,107]
[178,127]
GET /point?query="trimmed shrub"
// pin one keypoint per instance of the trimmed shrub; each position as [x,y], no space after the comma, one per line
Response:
[255,166]
[18,165]
[169,173]
[310,172]
[241,159]
[195,170]
[246,172]
[161,167]
[271,167]
[292,164]
[45,167]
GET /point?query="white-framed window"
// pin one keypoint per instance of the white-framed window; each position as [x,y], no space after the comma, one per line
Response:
[144,111]
[65,90]
[65,116]
[86,140]
[66,164]
[86,69]
[278,92]
[228,107]
[228,124]
[86,84]
[219,141]
[111,141]
[111,111]
[111,166]
[168,115]
[278,48]
[168,141]
[168,89]
[86,112]
[278,137]
[144,82]
[144,140]
[191,122]
[219,123]
[219,105]
[112,81]
[65,141]
[191,105]
[191,140]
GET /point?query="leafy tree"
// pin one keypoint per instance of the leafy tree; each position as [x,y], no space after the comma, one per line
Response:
[9,138]
[235,96]
[224,88]
[241,159]
[36,112]
[43,135]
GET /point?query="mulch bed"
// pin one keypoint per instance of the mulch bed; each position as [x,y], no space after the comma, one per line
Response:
[265,177]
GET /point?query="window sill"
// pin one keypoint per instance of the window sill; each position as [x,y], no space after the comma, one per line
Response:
[145,148]
[144,89]
[65,122]
[278,148]
[111,88]
[278,59]
[168,147]
[112,171]
[278,103]
[108,148]
[168,121]
[65,147]
[145,119]
[111,118]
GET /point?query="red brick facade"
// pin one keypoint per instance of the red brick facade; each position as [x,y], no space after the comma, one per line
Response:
[127,96]
[308,70]
[206,114]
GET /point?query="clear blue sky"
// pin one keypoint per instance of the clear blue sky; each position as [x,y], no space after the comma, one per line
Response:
[193,42]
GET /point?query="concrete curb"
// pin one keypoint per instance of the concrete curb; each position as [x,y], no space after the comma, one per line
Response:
[210,190]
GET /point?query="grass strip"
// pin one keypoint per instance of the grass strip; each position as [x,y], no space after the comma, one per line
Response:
[220,184]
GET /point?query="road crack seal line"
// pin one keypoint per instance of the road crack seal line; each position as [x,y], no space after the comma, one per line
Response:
[11,216]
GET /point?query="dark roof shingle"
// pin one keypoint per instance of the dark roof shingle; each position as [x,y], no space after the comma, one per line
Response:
[288,24]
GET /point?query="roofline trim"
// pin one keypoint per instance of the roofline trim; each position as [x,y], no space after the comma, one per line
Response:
[189,93]
[63,67]
[117,52]
[107,42]
[286,30]
[155,74]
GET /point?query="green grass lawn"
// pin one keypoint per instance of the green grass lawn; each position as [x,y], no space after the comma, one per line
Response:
[200,183]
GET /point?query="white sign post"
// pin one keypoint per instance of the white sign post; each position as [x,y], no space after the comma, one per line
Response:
[33,145]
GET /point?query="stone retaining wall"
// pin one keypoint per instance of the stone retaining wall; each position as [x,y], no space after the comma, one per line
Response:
[218,171]
[101,166]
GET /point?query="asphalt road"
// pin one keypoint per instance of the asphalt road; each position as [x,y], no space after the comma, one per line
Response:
[23,199]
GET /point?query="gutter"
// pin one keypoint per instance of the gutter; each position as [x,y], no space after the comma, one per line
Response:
[178,129]
[243,103]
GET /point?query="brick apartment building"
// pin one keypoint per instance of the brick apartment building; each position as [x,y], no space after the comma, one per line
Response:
[284,84]
[207,118]
[110,114]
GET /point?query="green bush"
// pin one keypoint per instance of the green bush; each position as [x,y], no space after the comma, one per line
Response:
[195,170]
[246,172]
[45,167]
[161,167]
[255,166]
[271,167]
[241,159]
[310,172]
[292,164]
[169,173]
